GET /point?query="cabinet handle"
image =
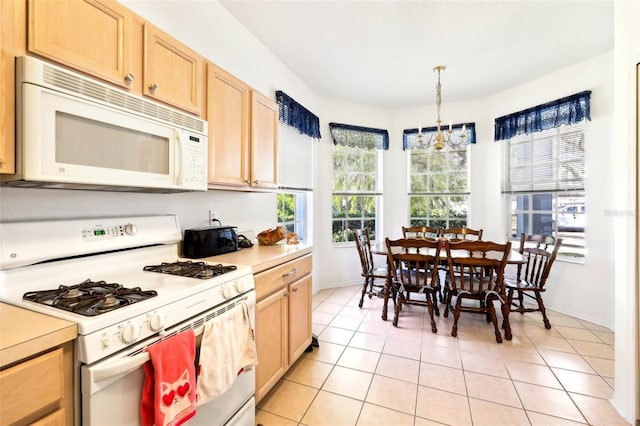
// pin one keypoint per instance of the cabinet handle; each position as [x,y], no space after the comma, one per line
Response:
[295,290]
[247,181]
[255,182]
[286,294]
[292,272]
[153,87]
[129,77]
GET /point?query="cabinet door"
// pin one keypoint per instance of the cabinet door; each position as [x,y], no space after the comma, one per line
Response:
[264,137]
[299,318]
[94,36]
[172,72]
[271,341]
[13,42]
[228,102]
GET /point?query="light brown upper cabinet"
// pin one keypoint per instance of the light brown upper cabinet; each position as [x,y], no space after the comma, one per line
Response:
[105,39]
[173,73]
[13,42]
[228,103]
[264,140]
[96,37]
[243,127]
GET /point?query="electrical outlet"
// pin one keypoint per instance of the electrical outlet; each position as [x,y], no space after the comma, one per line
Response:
[213,215]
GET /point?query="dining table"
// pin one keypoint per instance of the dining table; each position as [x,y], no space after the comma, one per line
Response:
[380,248]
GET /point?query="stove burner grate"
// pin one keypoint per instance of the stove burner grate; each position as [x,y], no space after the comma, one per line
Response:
[90,298]
[188,268]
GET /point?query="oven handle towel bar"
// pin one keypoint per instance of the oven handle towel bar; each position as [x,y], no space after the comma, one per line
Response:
[117,368]
[128,364]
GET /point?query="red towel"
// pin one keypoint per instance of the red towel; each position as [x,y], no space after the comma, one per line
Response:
[168,391]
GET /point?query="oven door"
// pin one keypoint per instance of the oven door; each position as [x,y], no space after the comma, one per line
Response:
[111,389]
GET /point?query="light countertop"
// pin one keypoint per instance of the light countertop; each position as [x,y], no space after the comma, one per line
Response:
[261,258]
[24,333]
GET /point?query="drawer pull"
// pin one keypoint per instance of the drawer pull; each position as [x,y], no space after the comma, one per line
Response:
[288,274]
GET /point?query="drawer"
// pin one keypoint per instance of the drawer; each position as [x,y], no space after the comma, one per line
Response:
[279,276]
[31,386]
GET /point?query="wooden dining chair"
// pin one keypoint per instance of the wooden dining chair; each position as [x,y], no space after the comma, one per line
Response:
[374,276]
[413,264]
[420,232]
[461,233]
[532,276]
[457,234]
[476,272]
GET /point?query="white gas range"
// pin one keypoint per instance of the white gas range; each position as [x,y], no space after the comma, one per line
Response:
[115,278]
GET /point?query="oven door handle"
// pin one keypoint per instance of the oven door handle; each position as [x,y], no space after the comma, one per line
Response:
[118,367]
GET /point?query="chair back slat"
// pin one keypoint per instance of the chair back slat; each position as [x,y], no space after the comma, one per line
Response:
[363,244]
[414,261]
[476,266]
[539,258]
[461,233]
[420,232]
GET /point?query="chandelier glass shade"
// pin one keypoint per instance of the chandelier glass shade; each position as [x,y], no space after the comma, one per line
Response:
[442,137]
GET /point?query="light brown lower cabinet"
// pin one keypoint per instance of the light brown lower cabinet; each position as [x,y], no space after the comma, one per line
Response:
[283,320]
[39,391]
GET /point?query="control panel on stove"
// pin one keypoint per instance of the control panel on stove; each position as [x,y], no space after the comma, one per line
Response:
[99,232]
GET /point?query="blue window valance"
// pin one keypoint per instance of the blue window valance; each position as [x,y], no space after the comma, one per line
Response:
[569,110]
[297,116]
[360,137]
[410,136]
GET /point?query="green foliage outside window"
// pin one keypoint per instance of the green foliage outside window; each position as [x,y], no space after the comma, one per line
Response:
[354,200]
[439,187]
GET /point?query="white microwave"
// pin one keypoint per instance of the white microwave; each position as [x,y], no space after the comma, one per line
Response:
[78,133]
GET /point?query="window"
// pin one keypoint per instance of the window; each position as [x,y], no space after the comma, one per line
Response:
[439,187]
[545,185]
[297,129]
[292,212]
[357,175]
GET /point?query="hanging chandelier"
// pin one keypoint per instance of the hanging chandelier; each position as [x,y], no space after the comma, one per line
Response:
[442,137]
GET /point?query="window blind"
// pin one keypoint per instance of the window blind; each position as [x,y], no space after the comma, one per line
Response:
[295,159]
[550,160]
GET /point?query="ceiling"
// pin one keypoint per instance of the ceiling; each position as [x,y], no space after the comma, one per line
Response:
[382,53]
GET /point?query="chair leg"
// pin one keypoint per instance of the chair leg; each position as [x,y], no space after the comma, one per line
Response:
[430,307]
[543,311]
[506,325]
[509,298]
[399,303]
[492,314]
[364,291]
[521,302]
[447,303]
[456,316]
[434,297]
[385,302]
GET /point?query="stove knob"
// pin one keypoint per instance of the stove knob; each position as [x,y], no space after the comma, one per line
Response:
[130,229]
[129,333]
[240,286]
[156,322]
[226,291]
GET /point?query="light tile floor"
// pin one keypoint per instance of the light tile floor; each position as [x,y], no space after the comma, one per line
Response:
[367,372]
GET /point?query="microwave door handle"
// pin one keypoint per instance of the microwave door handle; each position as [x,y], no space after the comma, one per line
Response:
[179,152]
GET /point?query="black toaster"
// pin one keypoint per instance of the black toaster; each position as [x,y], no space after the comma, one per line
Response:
[209,241]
